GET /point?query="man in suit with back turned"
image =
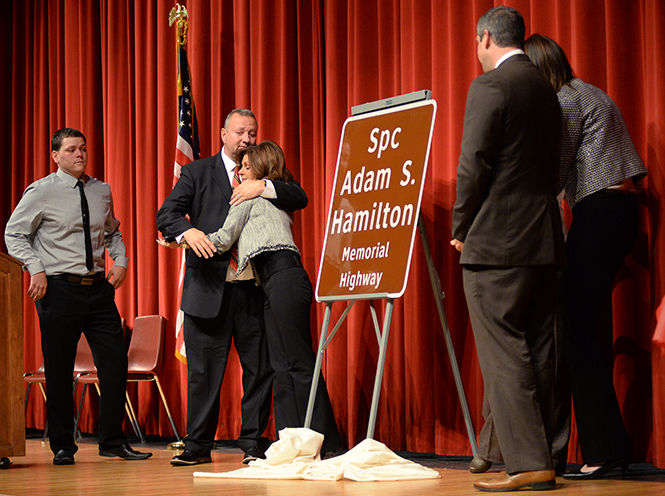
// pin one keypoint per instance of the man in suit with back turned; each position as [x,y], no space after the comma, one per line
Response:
[507,226]
[218,303]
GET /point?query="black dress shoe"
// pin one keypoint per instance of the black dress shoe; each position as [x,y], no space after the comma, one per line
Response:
[188,457]
[479,465]
[253,454]
[600,472]
[64,457]
[124,451]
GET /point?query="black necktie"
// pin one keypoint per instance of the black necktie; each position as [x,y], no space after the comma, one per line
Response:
[86,226]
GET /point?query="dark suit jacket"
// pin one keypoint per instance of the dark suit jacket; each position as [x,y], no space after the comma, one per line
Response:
[203,192]
[506,211]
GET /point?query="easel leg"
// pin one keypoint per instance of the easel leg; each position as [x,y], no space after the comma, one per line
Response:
[438,298]
[317,366]
[383,345]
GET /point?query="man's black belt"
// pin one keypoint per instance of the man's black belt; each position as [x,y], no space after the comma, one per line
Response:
[82,280]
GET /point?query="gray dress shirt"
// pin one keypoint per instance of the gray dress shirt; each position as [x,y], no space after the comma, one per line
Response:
[596,149]
[45,231]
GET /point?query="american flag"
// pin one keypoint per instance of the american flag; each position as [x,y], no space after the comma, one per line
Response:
[186,150]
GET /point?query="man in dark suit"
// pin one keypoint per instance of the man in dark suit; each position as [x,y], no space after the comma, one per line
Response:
[219,304]
[507,226]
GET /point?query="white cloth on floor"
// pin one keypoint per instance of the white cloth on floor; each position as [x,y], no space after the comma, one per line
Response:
[296,455]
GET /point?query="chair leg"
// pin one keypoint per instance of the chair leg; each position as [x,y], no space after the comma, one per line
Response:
[25,406]
[41,388]
[166,407]
[133,419]
[130,414]
[78,412]
[27,397]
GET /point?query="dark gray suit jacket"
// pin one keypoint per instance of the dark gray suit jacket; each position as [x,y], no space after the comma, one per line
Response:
[203,193]
[506,211]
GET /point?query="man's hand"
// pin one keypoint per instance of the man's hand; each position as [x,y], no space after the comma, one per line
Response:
[246,190]
[199,242]
[38,285]
[116,276]
[458,245]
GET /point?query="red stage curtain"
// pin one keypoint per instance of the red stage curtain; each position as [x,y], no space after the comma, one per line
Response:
[107,67]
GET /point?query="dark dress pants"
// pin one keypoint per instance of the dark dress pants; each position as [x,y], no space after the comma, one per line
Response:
[207,343]
[66,311]
[488,444]
[287,317]
[603,230]
[512,313]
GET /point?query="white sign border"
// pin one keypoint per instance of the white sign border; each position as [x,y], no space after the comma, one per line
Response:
[372,296]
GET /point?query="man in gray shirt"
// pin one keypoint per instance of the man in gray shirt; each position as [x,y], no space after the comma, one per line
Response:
[59,230]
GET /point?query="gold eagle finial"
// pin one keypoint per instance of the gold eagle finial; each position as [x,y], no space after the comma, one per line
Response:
[179,16]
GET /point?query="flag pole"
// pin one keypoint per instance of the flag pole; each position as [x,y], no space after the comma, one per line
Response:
[179,15]
[186,151]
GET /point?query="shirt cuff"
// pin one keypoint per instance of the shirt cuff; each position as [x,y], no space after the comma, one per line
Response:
[34,268]
[269,192]
[121,262]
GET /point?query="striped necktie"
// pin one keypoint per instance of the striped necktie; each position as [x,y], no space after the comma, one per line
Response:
[233,261]
[236,177]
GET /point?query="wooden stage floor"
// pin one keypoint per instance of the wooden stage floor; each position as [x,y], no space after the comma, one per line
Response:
[35,475]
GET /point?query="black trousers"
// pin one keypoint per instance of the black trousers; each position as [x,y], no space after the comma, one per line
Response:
[603,230]
[208,342]
[513,315]
[288,300]
[66,311]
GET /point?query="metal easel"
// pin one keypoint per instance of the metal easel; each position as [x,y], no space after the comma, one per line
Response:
[382,335]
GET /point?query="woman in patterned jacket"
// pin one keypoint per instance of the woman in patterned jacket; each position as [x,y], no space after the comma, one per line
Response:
[601,173]
[265,242]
